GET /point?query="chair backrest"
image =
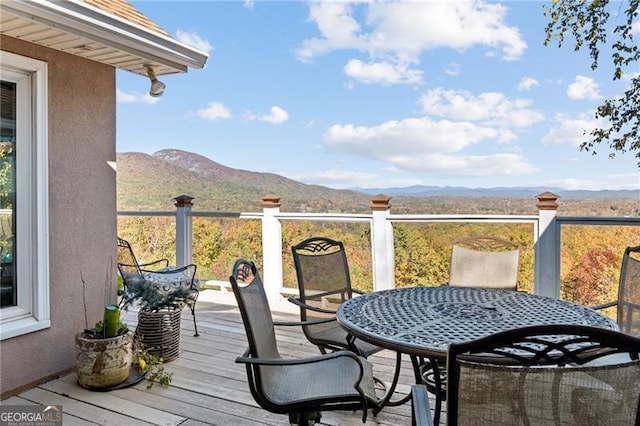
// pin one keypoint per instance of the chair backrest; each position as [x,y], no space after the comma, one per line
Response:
[323,275]
[629,292]
[254,308]
[487,262]
[537,375]
[127,263]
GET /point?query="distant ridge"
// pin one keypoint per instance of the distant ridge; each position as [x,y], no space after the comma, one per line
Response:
[512,192]
[150,182]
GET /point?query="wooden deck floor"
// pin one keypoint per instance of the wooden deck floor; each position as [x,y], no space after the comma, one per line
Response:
[208,387]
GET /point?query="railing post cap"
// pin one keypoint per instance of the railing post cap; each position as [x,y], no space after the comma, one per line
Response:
[270,201]
[183,201]
[547,201]
[380,202]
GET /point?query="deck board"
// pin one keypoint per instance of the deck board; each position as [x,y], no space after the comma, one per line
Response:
[208,387]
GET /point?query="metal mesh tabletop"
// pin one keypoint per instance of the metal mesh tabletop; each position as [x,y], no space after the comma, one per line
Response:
[424,320]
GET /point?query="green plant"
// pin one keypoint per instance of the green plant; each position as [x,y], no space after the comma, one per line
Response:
[144,362]
[97,331]
[152,297]
[152,366]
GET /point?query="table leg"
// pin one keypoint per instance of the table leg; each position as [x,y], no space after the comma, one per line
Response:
[386,399]
[389,391]
[438,393]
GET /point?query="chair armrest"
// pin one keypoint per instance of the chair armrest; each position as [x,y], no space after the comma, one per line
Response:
[298,323]
[154,263]
[247,359]
[420,409]
[298,302]
[604,305]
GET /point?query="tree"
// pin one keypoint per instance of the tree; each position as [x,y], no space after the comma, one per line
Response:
[593,277]
[586,21]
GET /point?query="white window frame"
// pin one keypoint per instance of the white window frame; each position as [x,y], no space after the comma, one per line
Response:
[32,219]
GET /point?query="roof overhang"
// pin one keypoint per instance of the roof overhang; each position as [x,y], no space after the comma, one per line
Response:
[83,30]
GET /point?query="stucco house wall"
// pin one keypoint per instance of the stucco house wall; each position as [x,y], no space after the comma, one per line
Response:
[82,220]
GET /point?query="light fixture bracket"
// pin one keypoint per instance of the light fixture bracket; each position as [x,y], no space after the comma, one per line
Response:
[157,87]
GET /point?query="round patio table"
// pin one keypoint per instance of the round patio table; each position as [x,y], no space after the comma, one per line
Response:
[422,321]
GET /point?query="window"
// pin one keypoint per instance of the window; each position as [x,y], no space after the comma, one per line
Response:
[24,253]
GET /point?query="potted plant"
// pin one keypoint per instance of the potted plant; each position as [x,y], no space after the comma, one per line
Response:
[104,353]
[159,315]
[108,356]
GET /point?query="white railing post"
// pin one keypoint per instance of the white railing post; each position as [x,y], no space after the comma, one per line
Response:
[183,230]
[547,248]
[271,247]
[382,248]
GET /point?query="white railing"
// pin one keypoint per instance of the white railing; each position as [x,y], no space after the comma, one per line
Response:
[546,235]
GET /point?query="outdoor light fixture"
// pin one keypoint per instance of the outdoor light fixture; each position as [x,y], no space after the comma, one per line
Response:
[157,87]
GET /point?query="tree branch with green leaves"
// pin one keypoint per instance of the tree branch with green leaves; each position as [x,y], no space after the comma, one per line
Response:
[587,21]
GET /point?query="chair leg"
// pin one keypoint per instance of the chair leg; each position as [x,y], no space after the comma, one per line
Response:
[305,419]
[192,306]
[193,313]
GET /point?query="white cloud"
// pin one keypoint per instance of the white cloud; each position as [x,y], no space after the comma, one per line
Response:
[352,179]
[194,40]
[527,83]
[214,111]
[631,76]
[135,98]
[382,72]
[339,30]
[489,108]
[276,116]
[569,130]
[583,88]
[453,69]
[613,182]
[333,178]
[503,164]
[635,27]
[426,146]
[409,136]
[408,28]
[248,4]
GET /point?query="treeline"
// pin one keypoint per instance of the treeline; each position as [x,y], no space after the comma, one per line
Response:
[590,258]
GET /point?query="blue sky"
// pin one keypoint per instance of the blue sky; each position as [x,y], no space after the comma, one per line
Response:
[378,94]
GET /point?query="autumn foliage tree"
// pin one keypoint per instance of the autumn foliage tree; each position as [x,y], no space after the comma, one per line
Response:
[590,255]
[593,277]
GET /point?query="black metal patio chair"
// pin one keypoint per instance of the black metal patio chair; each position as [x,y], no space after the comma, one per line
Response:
[540,375]
[324,282]
[303,387]
[159,274]
[628,302]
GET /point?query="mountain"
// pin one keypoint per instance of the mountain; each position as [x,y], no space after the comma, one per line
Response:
[512,192]
[150,182]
